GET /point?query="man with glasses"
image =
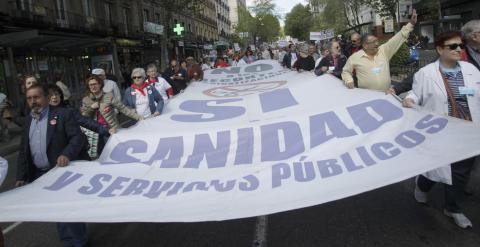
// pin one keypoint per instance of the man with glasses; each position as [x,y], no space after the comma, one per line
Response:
[354,46]
[471,32]
[372,63]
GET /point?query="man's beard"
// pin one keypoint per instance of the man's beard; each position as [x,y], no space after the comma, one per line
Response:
[37,109]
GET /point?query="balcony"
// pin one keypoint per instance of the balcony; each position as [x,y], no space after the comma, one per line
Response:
[43,17]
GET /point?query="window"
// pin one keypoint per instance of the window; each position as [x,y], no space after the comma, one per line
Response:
[60,9]
[146,14]
[125,19]
[108,12]
[87,7]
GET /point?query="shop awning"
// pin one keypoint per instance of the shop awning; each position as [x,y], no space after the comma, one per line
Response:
[50,39]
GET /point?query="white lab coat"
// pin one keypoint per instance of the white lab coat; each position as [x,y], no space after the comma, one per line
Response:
[428,91]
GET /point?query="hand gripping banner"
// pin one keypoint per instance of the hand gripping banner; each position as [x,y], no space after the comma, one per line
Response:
[244,142]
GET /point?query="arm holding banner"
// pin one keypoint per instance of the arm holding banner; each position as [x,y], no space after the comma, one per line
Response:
[415,96]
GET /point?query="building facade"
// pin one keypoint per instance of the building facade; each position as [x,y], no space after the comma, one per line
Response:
[64,40]
[223,19]
[234,6]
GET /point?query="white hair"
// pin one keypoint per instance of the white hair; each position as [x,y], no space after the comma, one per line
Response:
[470,27]
[140,71]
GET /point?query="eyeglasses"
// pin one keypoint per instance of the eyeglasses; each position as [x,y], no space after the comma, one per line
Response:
[93,84]
[455,46]
[137,77]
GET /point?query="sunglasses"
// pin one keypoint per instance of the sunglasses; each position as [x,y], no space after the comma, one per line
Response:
[137,77]
[455,46]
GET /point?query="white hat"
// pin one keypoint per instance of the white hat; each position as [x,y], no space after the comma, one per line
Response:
[3,169]
[98,72]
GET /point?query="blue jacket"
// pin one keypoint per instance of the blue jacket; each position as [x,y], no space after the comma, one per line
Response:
[153,97]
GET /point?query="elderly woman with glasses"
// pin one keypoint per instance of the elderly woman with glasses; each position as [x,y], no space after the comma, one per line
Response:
[142,96]
[101,106]
[332,63]
[448,87]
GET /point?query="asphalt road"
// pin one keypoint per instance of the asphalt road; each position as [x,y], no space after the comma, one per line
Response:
[384,217]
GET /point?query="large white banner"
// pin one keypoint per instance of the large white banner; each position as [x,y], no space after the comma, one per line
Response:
[247,141]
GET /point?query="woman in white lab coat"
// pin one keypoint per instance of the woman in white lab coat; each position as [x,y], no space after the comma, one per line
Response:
[448,87]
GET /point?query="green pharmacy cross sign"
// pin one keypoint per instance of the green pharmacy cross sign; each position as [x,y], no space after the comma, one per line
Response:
[178,29]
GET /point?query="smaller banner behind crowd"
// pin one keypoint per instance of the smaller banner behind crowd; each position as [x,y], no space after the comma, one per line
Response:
[247,141]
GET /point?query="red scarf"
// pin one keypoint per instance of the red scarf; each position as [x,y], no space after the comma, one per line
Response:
[143,86]
[152,81]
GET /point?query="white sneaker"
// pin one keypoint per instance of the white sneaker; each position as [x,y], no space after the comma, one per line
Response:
[460,219]
[420,196]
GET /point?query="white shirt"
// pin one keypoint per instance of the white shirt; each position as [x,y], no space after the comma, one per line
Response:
[162,86]
[110,86]
[294,59]
[141,104]
[239,63]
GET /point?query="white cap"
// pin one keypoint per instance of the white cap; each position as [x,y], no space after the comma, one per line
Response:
[98,72]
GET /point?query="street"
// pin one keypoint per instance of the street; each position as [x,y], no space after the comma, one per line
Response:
[387,216]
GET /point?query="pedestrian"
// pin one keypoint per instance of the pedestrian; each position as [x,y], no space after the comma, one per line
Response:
[238,61]
[323,53]
[142,96]
[176,77]
[305,62]
[333,63]
[56,99]
[65,91]
[162,86]
[372,64]
[204,64]
[23,110]
[471,32]
[447,87]
[101,107]
[109,86]
[221,63]
[51,138]
[354,46]
[249,57]
[291,57]
[5,117]
[282,54]
[312,51]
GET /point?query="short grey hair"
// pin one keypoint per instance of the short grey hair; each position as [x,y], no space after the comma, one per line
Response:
[470,27]
[152,66]
[140,71]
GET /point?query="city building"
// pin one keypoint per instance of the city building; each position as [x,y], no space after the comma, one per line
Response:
[234,6]
[444,15]
[60,39]
[223,19]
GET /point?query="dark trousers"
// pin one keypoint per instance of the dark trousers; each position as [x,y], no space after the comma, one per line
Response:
[453,193]
[71,234]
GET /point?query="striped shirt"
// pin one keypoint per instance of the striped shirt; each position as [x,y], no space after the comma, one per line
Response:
[455,81]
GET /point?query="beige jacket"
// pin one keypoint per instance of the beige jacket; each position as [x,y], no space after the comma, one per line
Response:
[108,103]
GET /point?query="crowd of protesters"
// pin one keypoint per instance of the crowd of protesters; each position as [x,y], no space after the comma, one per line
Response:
[55,133]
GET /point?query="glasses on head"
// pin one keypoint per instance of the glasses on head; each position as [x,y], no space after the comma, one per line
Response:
[137,77]
[455,46]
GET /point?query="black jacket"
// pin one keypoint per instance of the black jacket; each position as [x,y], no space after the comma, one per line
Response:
[328,61]
[63,138]
[287,60]
[307,64]
[347,51]
[88,123]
